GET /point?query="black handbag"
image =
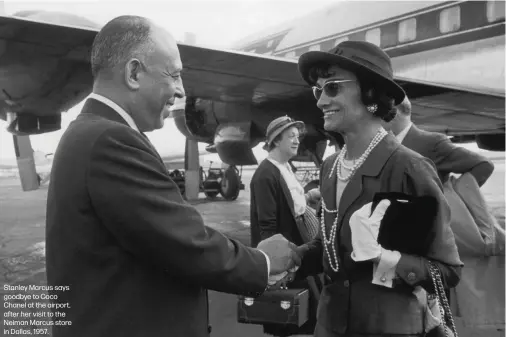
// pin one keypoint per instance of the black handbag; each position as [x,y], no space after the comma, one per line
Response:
[407,225]
[287,307]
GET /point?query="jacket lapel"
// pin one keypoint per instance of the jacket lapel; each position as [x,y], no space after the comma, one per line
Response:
[284,188]
[152,147]
[94,107]
[328,185]
[328,191]
[370,168]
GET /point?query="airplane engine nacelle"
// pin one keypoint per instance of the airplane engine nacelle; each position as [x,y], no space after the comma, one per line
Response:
[25,125]
[226,126]
[233,143]
[195,121]
[494,142]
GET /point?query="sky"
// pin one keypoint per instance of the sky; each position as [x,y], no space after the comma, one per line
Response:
[217,24]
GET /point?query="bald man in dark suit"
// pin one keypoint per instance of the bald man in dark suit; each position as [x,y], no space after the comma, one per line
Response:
[448,157]
[137,259]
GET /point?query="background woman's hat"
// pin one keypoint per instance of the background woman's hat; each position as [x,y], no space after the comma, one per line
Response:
[279,125]
[357,56]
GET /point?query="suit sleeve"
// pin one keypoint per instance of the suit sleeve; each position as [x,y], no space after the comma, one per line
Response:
[421,179]
[450,158]
[142,207]
[264,191]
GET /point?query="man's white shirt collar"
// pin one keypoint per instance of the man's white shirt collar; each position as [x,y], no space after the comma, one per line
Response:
[116,108]
[400,137]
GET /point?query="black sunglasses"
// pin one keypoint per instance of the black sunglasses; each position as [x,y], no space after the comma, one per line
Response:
[331,88]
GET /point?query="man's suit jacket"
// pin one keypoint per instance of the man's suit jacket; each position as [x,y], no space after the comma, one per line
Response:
[350,302]
[447,157]
[137,258]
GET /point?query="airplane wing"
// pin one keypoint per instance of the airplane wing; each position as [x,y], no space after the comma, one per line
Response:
[232,93]
[44,68]
[260,88]
[230,76]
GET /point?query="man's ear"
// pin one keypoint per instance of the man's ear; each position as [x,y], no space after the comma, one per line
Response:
[133,69]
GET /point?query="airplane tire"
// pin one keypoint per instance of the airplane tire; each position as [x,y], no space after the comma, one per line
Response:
[230,183]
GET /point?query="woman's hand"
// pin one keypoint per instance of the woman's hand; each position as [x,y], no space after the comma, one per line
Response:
[364,232]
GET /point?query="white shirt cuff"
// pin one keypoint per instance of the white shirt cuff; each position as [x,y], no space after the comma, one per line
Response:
[384,271]
[268,263]
[276,278]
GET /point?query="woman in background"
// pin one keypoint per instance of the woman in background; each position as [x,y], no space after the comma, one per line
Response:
[279,204]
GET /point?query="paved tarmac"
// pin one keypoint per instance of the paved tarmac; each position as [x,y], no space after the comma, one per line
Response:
[22,246]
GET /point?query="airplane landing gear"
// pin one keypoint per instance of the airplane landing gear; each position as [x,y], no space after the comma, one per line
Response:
[218,181]
[213,182]
[231,183]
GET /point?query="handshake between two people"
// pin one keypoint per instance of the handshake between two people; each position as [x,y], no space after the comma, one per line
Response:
[285,258]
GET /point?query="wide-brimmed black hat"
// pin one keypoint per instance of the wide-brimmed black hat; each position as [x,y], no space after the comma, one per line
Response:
[360,57]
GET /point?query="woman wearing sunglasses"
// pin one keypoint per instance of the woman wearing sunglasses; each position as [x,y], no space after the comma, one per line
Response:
[369,291]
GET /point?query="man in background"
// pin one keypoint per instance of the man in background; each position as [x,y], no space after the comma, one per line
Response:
[448,157]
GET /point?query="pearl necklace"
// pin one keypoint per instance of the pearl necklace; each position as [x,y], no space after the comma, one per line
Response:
[339,164]
[348,167]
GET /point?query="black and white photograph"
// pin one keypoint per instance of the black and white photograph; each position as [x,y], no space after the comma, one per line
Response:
[252,168]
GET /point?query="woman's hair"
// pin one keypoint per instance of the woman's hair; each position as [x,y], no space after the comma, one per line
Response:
[276,139]
[370,91]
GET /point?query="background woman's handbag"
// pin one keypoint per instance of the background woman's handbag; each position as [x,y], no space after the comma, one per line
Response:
[438,308]
[311,225]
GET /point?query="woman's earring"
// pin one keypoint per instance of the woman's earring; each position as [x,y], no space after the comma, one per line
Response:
[372,108]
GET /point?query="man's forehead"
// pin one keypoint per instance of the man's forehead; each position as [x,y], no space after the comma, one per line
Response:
[167,53]
[176,64]
[164,40]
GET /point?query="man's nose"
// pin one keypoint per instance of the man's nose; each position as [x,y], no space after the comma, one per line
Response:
[180,93]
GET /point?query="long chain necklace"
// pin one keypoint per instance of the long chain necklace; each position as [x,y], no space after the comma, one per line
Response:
[330,241]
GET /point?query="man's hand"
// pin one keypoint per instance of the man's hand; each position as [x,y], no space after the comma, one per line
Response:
[283,254]
[283,283]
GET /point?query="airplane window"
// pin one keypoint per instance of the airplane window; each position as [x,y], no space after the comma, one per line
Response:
[495,10]
[407,30]
[315,47]
[340,39]
[449,20]
[373,36]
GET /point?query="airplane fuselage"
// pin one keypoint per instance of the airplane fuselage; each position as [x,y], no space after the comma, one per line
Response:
[459,44]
